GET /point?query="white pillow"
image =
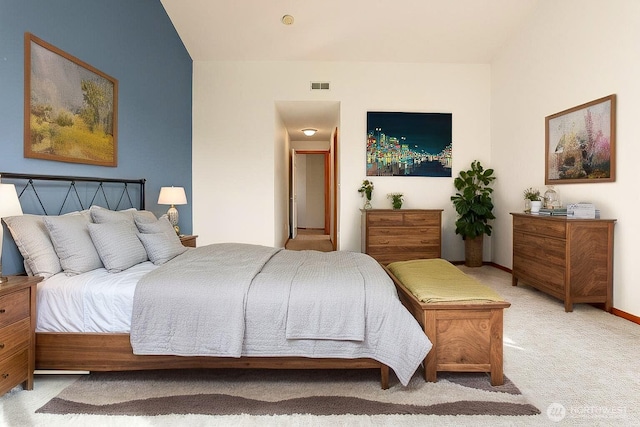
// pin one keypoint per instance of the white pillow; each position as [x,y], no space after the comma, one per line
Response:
[33,242]
[117,245]
[160,247]
[72,242]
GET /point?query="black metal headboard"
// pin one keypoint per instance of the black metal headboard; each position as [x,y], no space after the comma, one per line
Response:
[113,193]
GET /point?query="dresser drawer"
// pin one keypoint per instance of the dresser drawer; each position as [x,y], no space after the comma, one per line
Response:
[14,306]
[422,219]
[540,259]
[384,219]
[403,240]
[14,337]
[14,371]
[541,226]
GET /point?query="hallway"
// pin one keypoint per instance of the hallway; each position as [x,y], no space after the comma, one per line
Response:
[310,239]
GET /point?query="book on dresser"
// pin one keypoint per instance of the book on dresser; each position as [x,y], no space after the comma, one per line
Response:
[390,235]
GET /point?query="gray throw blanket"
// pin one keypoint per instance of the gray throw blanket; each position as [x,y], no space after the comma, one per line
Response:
[194,305]
[327,299]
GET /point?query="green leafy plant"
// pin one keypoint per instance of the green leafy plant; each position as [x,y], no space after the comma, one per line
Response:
[532,194]
[366,189]
[473,201]
[396,200]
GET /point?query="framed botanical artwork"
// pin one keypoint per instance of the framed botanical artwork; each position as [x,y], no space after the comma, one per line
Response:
[70,107]
[581,142]
[408,144]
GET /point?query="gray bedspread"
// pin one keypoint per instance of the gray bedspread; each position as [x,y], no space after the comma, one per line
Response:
[245,300]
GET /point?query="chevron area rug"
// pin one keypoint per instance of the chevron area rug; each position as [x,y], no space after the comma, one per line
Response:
[278,392]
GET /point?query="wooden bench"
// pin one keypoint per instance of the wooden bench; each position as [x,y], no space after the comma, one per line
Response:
[466,334]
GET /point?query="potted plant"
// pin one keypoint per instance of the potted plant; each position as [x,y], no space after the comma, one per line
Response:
[396,200]
[531,195]
[366,190]
[475,208]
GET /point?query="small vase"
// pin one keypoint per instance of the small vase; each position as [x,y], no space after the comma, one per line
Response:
[367,204]
[535,206]
[397,205]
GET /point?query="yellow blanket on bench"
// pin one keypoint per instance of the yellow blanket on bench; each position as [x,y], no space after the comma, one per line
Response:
[437,280]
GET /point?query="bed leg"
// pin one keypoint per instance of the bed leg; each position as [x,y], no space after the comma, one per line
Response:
[384,377]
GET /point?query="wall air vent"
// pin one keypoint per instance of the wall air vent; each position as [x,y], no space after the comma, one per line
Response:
[320,86]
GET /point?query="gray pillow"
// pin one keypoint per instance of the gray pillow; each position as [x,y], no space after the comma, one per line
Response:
[101,215]
[160,247]
[72,242]
[33,242]
[117,245]
[160,240]
[161,225]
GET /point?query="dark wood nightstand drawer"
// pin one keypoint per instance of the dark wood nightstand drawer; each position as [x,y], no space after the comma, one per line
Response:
[14,337]
[14,371]
[189,241]
[14,307]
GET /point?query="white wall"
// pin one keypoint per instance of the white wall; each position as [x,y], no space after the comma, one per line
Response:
[569,53]
[233,139]
[315,191]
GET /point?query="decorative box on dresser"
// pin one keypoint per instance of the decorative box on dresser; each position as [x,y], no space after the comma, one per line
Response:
[568,258]
[390,235]
[17,332]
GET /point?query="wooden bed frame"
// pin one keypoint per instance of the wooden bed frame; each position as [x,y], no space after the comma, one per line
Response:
[466,337]
[113,352]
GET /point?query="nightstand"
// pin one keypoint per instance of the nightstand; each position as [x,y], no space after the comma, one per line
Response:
[17,332]
[188,240]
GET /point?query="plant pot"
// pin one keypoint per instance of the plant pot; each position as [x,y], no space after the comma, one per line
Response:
[473,251]
[536,205]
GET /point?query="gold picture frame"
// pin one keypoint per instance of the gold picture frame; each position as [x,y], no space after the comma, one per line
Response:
[70,107]
[580,143]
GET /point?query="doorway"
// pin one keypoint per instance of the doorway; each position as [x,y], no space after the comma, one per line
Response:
[311,195]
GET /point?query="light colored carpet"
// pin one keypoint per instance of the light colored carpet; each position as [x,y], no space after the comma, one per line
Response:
[310,239]
[579,368]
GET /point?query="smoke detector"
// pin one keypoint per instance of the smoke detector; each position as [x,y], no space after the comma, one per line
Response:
[287,20]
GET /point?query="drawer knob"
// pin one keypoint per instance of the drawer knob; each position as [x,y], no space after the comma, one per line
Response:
[5,376]
[2,310]
[1,345]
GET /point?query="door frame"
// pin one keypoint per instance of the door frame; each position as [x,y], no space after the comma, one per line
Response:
[327,186]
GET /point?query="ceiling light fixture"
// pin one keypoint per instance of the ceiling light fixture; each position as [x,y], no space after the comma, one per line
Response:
[287,20]
[309,132]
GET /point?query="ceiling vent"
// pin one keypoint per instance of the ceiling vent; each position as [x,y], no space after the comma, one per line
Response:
[320,86]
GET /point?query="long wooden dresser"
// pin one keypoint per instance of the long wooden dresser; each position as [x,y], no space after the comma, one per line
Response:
[402,234]
[570,259]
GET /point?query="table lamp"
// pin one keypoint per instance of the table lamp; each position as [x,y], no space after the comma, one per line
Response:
[9,206]
[172,196]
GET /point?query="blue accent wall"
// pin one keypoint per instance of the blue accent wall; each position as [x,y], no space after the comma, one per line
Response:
[133,41]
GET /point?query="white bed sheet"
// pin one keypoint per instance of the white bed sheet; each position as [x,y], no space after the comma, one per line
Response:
[96,301]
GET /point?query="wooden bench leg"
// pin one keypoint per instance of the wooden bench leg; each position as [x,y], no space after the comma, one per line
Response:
[430,362]
[495,347]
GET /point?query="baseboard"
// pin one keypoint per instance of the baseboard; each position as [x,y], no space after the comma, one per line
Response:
[625,315]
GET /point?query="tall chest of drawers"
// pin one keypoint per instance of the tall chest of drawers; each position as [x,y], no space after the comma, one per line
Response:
[399,235]
[17,332]
[570,259]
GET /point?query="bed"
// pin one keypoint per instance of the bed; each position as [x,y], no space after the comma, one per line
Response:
[91,317]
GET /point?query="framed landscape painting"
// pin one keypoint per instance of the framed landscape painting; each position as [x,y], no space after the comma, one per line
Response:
[408,144]
[580,143]
[70,108]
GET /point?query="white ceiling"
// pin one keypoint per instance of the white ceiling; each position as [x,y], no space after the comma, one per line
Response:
[445,31]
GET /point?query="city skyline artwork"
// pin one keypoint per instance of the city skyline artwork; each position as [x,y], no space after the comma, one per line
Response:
[409,144]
